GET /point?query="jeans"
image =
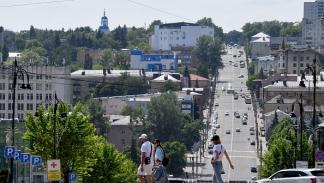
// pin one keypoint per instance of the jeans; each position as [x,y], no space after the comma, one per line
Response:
[217,178]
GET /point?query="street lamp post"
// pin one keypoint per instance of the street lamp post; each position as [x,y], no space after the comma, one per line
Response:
[17,71]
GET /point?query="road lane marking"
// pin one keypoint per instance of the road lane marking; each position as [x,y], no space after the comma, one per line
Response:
[247,157]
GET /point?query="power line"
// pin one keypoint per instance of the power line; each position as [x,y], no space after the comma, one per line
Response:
[159,10]
[34,3]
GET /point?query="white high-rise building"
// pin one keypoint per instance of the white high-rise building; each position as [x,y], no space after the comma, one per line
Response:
[45,82]
[180,34]
[313,28]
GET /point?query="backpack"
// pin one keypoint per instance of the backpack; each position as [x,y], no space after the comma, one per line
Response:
[165,160]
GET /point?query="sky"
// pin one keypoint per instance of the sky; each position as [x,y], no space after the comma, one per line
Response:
[229,14]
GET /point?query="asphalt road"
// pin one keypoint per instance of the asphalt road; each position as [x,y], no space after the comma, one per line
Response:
[237,144]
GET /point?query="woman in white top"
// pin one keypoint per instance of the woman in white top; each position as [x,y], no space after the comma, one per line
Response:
[218,153]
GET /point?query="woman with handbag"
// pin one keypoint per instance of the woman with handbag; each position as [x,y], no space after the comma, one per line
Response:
[218,153]
[159,173]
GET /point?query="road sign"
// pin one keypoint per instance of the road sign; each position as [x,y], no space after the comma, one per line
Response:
[9,151]
[25,157]
[319,155]
[72,176]
[36,160]
[17,155]
[53,170]
[301,164]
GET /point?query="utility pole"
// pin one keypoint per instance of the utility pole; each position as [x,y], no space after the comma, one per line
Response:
[301,126]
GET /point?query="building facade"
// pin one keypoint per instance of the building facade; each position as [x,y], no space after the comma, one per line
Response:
[153,62]
[45,82]
[260,45]
[266,63]
[294,61]
[312,27]
[182,34]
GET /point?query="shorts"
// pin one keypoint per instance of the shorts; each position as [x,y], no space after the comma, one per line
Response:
[147,170]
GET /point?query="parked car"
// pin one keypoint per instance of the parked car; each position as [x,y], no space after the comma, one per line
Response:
[254,169]
[216,104]
[217,125]
[238,130]
[227,114]
[228,132]
[237,115]
[252,133]
[251,128]
[235,97]
[252,143]
[295,176]
[244,121]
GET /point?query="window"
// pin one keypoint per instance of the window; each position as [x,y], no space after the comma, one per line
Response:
[48,86]
[9,96]
[20,107]
[295,58]
[2,115]
[294,65]
[294,71]
[20,96]
[10,86]
[39,96]
[30,107]
[21,117]
[48,77]
[9,106]
[301,58]
[39,76]
[2,106]
[307,58]
[38,86]
[48,96]
[123,132]
[30,96]
[301,64]
[2,86]
[2,96]
[9,115]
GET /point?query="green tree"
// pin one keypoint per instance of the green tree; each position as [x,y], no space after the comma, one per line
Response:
[122,60]
[218,31]
[208,54]
[107,58]
[170,86]
[76,139]
[112,167]
[5,53]
[87,62]
[32,32]
[96,115]
[176,152]
[234,37]
[154,23]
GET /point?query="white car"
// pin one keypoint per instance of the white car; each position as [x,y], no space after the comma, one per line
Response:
[217,125]
[227,114]
[223,88]
[296,176]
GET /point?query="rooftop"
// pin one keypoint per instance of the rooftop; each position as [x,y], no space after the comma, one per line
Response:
[196,77]
[294,85]
[166,77]
[114,73]
[266,58]
[262,40]
[260,35]
[176,25]
[119,120]
[280,100]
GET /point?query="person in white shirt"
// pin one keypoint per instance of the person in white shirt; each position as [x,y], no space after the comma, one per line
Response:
[218,153]
[144,171]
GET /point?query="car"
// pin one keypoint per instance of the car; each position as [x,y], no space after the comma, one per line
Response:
[234,56]
[262,133]
[238,130]
[251,128]
[295,176]
[210,151]
[235,97]
[217,125]
[254,169]
[226,113]
[237,115]
[214,121]
[241,76]
[228,132]
[252,133]
[235,65]
[216,104]
[244,121]
[245,114]
[252,143]
[262,128]
[223,88]
[210,146]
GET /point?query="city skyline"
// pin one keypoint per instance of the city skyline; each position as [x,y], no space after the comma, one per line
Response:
[76,13]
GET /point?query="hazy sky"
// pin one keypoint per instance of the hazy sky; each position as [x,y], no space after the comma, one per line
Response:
[229,14]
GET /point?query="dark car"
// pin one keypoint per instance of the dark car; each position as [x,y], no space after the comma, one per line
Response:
[254,169]
[252,143]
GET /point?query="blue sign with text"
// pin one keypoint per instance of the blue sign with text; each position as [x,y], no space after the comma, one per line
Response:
[36,160]
[9,151]
[17,155]
[72,176]
[25,157]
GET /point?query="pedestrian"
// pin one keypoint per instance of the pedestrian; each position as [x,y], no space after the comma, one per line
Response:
[218,152]
[159,173]
[144,171]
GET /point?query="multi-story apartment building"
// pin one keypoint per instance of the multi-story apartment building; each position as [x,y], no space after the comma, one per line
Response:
[260,45]
[45,81]
[313,28]
[294,61]
[182,34]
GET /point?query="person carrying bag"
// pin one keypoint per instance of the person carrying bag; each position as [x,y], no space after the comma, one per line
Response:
[160,161]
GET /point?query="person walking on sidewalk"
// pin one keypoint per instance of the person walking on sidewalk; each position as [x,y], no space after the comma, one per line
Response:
[218,153]
[144,171]
[159,173]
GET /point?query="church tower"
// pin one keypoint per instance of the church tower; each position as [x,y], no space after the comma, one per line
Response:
[104,24]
